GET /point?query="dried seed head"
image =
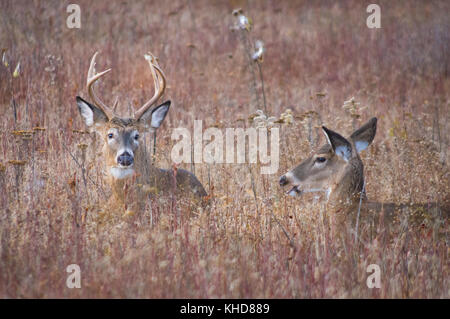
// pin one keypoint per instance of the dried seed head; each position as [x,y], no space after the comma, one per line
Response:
[4,60]
[17,162]
[16,72]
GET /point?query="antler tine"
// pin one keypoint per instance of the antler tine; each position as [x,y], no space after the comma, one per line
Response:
[155,65]
[116,102]
[159,81]
[91,79]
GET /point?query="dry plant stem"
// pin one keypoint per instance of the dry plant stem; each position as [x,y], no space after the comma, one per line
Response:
[209,178]
[146,157]
[83,171]
[81,167]
[175,212]
[253,188]
[13,101]
[290,240]
[361,195]
[4,194]
[247,51]
[436,134]
[19,174]
[154,148]
[262,85]
[193,163]
[310,135]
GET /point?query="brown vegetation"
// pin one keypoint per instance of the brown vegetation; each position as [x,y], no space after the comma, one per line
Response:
[253,241]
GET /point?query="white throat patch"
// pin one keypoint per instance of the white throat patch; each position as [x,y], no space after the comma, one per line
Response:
[120,173]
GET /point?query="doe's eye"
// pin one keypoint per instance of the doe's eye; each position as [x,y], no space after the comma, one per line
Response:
[110,135]
[136,137]
[320,159]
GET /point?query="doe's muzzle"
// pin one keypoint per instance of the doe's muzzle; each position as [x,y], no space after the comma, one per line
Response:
[283,180]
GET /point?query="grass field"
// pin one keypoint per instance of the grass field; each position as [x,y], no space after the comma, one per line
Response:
[253,241]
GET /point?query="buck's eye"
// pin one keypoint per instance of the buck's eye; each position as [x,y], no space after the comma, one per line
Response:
[320,159]
[110,135]
[136,137]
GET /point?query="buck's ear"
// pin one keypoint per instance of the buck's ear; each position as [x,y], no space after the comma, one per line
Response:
[363,136]
[90,113]
[154,117]
[340,145]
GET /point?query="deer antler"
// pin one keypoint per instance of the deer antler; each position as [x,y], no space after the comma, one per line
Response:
[159,80]
[91,79]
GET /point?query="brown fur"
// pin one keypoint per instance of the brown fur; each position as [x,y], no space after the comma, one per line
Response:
[155,181]
[344,178]
[144,179]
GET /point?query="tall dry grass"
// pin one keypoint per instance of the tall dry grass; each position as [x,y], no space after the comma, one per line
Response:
[253,242]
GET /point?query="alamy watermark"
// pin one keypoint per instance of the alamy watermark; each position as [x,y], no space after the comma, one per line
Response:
[374,279]
[74,18]
[74,279]
[374,19]
[233,145]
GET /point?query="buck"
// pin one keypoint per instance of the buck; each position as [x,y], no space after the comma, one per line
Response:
[125,158]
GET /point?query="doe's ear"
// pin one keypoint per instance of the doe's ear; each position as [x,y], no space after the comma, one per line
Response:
[153,118]
[363,136]
[91,114]
[340,145]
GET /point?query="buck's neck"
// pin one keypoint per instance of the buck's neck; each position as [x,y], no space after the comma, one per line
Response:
[142,175]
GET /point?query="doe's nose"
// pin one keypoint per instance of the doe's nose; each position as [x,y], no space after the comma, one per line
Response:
[283,180]
[125,159]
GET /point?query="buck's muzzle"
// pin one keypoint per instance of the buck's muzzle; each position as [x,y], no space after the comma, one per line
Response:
[125,159]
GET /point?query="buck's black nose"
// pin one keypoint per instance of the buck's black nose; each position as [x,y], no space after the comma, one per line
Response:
[125,159]
[283,180]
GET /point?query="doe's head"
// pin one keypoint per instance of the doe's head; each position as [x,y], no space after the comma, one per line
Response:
[335,165]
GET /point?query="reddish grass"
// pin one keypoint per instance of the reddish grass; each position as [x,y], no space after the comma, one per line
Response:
[237,248]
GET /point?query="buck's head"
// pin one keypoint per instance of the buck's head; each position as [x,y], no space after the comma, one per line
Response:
[335,166]
[121,135]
